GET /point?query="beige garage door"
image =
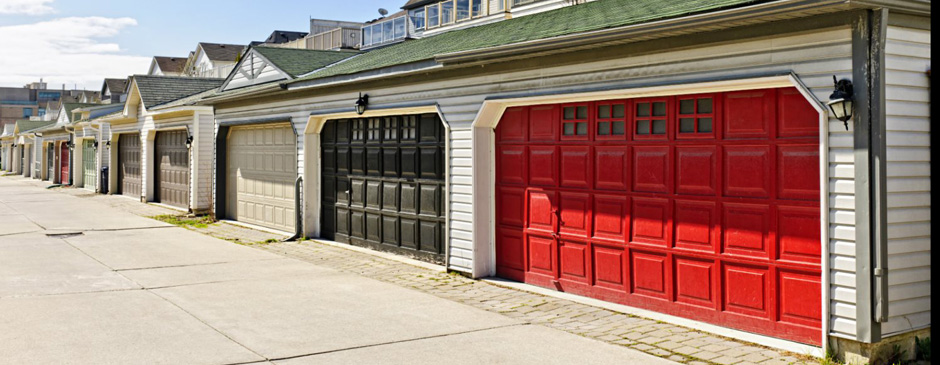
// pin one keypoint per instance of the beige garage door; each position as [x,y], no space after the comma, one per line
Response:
[262,167]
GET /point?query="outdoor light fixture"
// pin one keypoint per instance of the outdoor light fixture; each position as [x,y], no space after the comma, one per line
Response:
[362,103]
[108,144]
[841,101]
[95,143]
[189,142]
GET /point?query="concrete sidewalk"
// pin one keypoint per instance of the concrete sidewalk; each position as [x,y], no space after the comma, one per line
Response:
[82,282]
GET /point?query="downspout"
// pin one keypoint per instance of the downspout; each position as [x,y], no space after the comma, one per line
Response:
[879,161]
[868,32]
[299,224]
[298,184]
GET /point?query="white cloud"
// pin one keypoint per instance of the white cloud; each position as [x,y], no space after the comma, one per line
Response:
[66,50]
[26,7]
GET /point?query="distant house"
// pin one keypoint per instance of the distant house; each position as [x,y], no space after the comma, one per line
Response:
[113,91]
[167,66]
[213,60]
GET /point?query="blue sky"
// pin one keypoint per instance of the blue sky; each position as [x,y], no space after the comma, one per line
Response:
[118,35]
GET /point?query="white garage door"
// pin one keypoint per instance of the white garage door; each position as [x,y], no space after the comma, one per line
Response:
[262,167]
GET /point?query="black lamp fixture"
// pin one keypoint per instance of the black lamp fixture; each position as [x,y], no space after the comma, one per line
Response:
[95,143]
[189,142]
[362,103]
[107,143]
[841,101]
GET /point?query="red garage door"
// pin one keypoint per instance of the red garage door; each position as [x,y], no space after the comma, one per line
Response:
[64,163]
[700,206]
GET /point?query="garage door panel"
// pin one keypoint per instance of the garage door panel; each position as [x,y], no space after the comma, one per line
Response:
[799,234]
[695,282]
[511,163]
[747,171]
[611,218]
[800,294]
[798,172]
[696,170]
[609,267]
[651,221]
[649,273]
[746,230]
[651,169]
[716,220]
[575,215]
[797,118]
[696,225]
[513,127]
[543,123]
[541,210]
[574,263]
[749,114]
[747,290]
[612,168]
[543,165]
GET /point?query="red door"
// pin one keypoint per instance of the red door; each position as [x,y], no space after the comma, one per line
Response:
[64,164]
[700,206]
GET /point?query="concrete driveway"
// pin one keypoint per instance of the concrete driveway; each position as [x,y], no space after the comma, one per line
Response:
[84,283]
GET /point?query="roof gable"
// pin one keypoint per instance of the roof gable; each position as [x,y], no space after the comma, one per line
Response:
[217,52]
[267,64]
[170,65]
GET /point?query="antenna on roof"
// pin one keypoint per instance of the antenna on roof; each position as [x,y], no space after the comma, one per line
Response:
[383,12]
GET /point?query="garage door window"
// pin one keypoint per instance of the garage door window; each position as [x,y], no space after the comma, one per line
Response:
[651,118]
[697,115]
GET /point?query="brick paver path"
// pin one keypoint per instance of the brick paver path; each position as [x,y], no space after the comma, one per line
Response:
[669,341]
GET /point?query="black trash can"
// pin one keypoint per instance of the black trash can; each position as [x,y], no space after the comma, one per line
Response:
[104,180]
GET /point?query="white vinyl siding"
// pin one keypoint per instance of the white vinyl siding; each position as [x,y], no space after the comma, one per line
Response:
[907,96]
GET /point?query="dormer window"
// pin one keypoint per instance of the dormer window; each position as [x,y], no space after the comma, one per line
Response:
[385,31]
[434,15]
[417,18]
[447,12]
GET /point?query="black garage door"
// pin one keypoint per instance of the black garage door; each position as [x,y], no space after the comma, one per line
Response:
[383,184]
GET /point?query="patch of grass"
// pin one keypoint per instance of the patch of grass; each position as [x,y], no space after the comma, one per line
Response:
[830,359]
[186,222]
[922,348]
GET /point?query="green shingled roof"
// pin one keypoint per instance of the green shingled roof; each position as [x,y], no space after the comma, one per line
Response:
[69,107]
[30,125]
[157,90]
[592,16]
[301,61]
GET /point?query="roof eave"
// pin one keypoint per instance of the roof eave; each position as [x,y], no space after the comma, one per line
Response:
[726,18]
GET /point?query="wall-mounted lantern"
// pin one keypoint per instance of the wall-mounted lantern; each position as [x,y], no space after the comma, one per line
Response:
[108,144]
[95,143]
[189,142]
[841,101]
[362,103]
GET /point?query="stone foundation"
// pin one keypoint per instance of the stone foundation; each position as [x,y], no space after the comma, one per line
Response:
[858,353]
